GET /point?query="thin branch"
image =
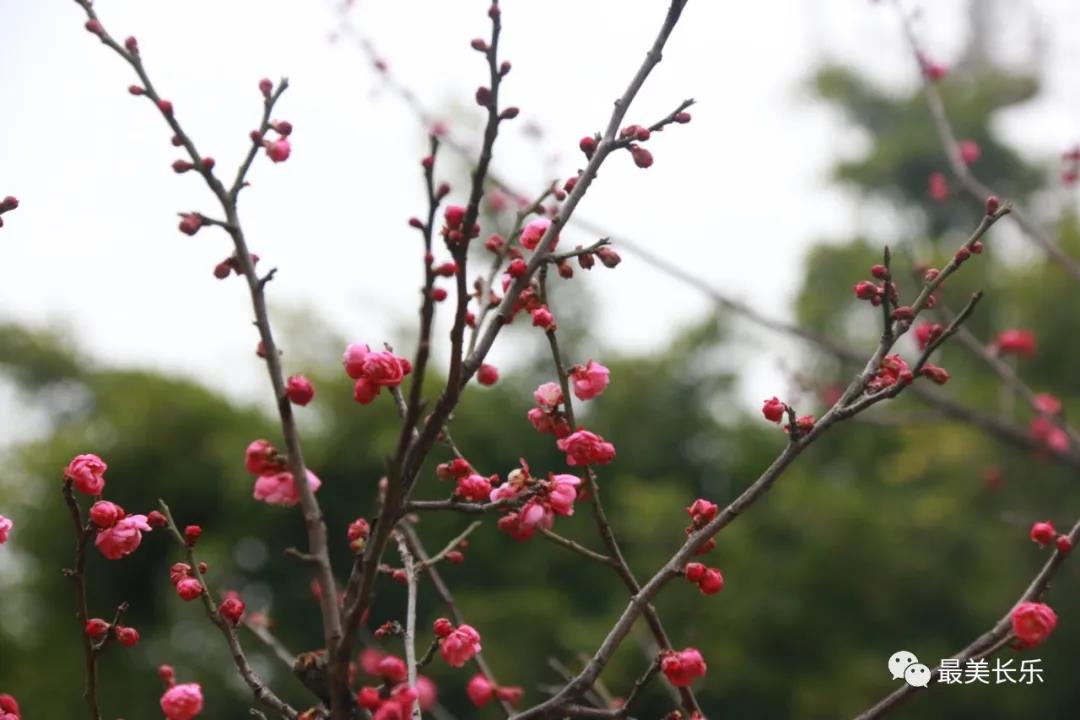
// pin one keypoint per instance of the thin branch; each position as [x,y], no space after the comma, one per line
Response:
[410,615]
[450,546]
[978,190]
[840,411]
[443,591]
[83,533]
[313,520]
[990,641]
[259,689]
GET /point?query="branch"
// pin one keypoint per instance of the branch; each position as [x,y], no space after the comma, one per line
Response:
[841,410]
[259,689]
[972,185]
[83,533]
[990,641]
[316,528]
[410,615]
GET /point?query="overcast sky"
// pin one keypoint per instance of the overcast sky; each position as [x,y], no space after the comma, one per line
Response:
[738,195]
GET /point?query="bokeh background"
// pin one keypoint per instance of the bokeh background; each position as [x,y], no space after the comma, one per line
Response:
[810,149]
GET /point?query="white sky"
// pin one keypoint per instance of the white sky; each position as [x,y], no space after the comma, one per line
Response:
[738,195]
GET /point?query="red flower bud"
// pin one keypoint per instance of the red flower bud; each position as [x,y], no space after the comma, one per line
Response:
[992,204]
[694,572]
[588,145]
[191,535]
[126,636]
[96,628]
[487,374]
[1043,533]
[266,87]
[443,627]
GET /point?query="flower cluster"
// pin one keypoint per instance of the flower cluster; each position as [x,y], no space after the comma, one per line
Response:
[274,484]
[456,645]
[187,586]
[9,707]
[1044,533]
[1032,622]
[543,500]
[586,448]
[1046,427]
[683,667]
[373,371]
[393,699]
[546,416]
[481,691]
[179,702]
[893,369]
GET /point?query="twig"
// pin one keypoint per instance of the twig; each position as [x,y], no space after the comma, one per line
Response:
[83,533]
[259,689]
[443,591]
[577,547]
[450,546]
[844,408]
[964,175]
[410,615]
[227,198]
[989,642]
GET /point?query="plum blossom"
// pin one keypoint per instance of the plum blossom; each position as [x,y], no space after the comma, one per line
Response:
[460,646]
[5,529]
[87,473]
[1033,622]
[280,489]
[590,380]
[182,702]
[123,538]
[683,667]
[586,448]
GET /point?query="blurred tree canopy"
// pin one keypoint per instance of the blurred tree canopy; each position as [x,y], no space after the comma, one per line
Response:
[884,536]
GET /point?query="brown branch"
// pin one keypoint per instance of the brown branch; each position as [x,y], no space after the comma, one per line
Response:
[313,520]
[603,525]
[83,534]
[259,689]
[964,175]
[450,546]
[578,548]
[443,591]
[840,411]
[990,641]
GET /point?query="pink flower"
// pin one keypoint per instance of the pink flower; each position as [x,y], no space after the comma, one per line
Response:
[299,390]
[1043,533]
[280,489]
[458,647]
[105,514]
[182,702]
[261,457]
[232,607]
[926,332]
[683,667]
[773,409]
[1046,403]
[473,487]
[548,396]
[1033,622]
[392,669]
[353,360]
[506,491]
[563,493]
[487,374]
[586,448]
[590,380]
[480,690]
[542,318]
[9,705]
[1043,430]
[1020,342]
[364,391]
[533,514]
[385,369]
[938,187]
[122,538]
[969,151]
[189,589]
[426,692]
[87,473]
[5,528]
[278,150]
[533,232]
